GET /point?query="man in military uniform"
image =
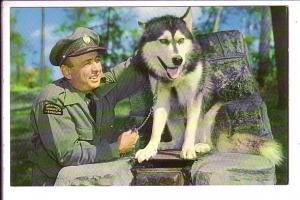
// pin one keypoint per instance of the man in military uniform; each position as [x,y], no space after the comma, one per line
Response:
[72,117]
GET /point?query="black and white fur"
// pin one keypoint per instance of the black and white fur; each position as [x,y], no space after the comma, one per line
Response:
[177,76]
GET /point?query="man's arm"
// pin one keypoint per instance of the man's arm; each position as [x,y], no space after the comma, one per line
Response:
[129,78]
[66,144]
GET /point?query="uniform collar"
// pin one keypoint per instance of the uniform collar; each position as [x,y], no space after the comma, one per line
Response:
[72,95]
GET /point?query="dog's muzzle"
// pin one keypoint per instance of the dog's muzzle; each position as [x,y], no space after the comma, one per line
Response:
[172,72]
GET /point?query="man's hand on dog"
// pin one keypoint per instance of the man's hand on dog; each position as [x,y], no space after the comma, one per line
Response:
[127,140]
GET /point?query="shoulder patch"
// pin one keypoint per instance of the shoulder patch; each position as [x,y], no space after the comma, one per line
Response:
[52,108]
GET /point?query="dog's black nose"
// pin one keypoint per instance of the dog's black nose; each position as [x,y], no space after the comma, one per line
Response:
[177,60]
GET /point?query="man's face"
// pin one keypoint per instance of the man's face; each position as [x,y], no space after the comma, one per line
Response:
[85,72]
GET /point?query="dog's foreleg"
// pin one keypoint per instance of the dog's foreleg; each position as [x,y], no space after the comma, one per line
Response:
[160,115]
[159,121]
[193,116]
[205,129]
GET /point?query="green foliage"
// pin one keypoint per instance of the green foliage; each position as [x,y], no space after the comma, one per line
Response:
[271,75]
[249,39]
[18,87]
[30,79]
[16,37]
[22,77]
[79,17]
[111,24]
[47,79]
[119,39]
[17,56]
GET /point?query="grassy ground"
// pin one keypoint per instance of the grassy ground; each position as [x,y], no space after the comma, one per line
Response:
[20,136]
[21,133]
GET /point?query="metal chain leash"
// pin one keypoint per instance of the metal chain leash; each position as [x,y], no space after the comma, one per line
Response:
[149,113]
[145,120]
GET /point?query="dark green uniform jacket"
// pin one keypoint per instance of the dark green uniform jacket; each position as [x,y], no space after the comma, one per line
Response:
[64,131]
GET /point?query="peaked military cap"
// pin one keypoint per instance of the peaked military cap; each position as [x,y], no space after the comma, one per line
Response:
[82,40]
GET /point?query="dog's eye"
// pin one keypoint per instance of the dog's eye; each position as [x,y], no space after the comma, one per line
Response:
[164,41]
[180,41]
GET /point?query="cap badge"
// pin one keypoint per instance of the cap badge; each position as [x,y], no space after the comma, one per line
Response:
[86,39]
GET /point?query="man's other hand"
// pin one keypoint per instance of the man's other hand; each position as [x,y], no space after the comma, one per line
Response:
[127,140]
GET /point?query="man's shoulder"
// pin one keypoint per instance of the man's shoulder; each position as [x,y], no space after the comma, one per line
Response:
[118,69]
[51,92]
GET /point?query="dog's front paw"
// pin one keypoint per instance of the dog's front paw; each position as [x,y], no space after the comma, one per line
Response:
[188,153]
[145,154]
[202,148]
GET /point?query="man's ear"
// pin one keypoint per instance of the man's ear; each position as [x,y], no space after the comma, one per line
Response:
[66,71]
[188,19]
[142,25]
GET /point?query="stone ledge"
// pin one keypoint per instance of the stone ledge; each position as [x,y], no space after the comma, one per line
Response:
[214,169]
[105,174]
[233,169]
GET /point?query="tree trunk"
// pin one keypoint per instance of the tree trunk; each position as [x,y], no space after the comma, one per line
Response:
[264,46]
[42,56]
[107,26]
[280,29]
[217,19]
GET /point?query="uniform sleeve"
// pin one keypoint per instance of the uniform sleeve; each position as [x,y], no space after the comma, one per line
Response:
[64,143]
[129,78]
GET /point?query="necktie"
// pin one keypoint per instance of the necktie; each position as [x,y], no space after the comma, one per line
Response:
[92,105]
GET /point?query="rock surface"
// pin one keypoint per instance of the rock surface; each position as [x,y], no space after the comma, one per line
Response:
[233,169]
[110,173]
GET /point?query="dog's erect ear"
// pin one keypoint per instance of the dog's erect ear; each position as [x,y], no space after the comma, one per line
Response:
[142,25]
[188,18]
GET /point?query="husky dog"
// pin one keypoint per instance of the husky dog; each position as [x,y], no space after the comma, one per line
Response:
[179,78]
[176,74]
